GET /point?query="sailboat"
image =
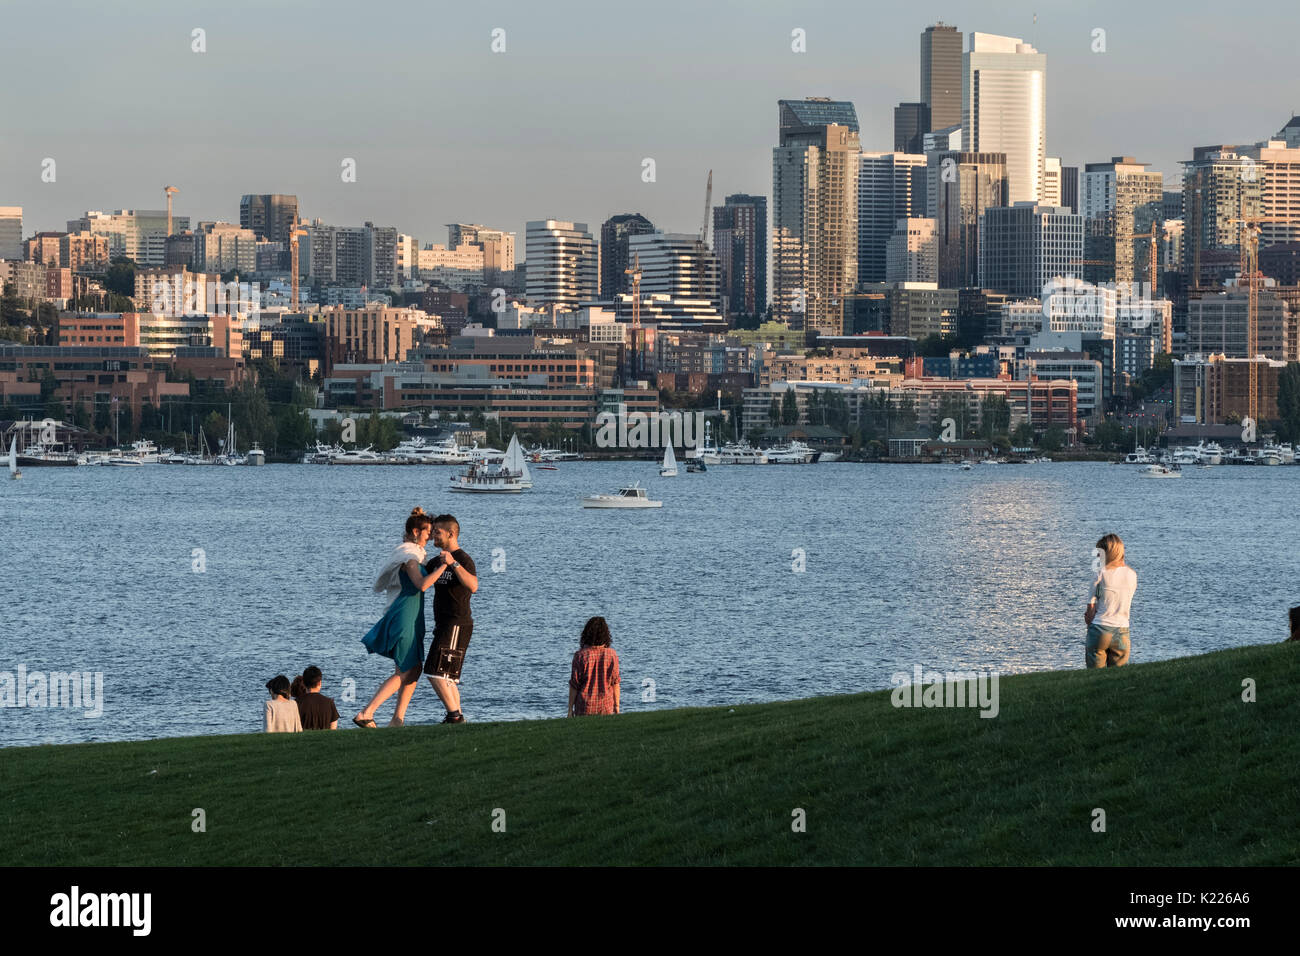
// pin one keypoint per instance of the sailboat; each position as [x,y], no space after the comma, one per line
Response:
[669,468]
[13,459]
[514,462]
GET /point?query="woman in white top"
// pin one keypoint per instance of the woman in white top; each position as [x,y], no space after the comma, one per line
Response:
[1107,612]
[281,714]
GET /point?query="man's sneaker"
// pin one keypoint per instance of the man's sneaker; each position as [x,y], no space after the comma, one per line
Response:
[455,717]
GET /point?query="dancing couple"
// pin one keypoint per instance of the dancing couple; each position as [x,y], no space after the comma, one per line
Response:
[399,634]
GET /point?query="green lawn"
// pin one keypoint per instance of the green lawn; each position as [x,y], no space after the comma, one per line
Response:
[1186,772]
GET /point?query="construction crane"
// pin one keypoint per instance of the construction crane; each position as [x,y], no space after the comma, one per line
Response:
[294,233]
[708,198]
[1249,247]
[170,191]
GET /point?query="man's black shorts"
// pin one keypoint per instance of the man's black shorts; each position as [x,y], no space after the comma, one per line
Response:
[450,641]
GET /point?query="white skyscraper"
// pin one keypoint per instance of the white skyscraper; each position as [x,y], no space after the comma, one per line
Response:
[1004,109]
[561,262]
[11,232]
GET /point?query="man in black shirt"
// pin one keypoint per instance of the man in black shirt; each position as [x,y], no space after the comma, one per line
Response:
[452,622]
[316,710]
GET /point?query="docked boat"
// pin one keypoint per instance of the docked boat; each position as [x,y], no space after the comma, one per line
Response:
[322,454]
[824,456]
[255,456]
[444,451]
[1161,471]
[669,467]
[633,496]
[740,453]
[42,456]
[358,456]
[484,478]
[706,453]
[793,453]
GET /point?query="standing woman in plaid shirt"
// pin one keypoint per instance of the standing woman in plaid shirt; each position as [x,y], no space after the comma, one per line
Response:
[593,682]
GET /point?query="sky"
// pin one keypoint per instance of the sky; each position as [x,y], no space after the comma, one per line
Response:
[443,129]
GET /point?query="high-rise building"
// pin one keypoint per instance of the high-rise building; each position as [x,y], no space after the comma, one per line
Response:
[1290,133]
[1023,248]
[1004,109]
[498,248]
[137,234]
[1220,185]
[1277,165]
[1052,182]
[11,232]
[677,265]
[941,71]
[351,255]
[912,253]
[891,186]
[961,187]
[407,252]
[614,258]
[222,247]
[43,248]
[270,215]
[911,123]
[561,262]
[740,241]
[1120,199]
[814,111]
[1070,187]
[814,221]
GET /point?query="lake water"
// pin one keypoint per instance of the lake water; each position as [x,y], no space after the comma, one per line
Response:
[904,564]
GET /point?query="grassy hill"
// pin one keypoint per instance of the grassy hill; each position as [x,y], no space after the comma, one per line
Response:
[1186,772]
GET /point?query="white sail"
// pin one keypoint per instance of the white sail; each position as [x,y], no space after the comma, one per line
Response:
[13,455]
[669,467]
[515,462]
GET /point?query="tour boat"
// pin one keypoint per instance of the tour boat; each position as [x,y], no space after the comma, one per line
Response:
[633,496]
[38,456]
[483,478]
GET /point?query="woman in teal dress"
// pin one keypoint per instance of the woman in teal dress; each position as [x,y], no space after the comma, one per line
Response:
[399,634]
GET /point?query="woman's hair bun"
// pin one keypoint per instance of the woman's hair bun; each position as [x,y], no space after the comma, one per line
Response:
[417,510]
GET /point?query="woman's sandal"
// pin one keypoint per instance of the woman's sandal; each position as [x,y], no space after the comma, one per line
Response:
[368,722]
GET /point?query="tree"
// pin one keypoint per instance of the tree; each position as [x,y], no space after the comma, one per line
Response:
[214,429]
[1053,439]
[789,408]
[120,277]
[1023,436]
[1288,403]
[774,413]
[995,416]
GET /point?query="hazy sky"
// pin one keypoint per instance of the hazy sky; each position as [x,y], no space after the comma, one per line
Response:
[444,130]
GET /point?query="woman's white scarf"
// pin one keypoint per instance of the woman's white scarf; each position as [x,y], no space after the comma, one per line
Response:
[389,581]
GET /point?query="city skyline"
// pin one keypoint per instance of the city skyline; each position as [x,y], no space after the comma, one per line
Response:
[278,135]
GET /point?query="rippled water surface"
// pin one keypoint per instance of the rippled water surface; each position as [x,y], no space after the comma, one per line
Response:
[987,569]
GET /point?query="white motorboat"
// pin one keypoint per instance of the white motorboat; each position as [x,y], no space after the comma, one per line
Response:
[1161,471]
[1138,456]
[633,496]
[824,456]
[255,456]
[1209,453]
[739,453]
[515,464]
[793,453]
[669,467]
[707,453]
[487,479]
[967,466]
[358,456]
